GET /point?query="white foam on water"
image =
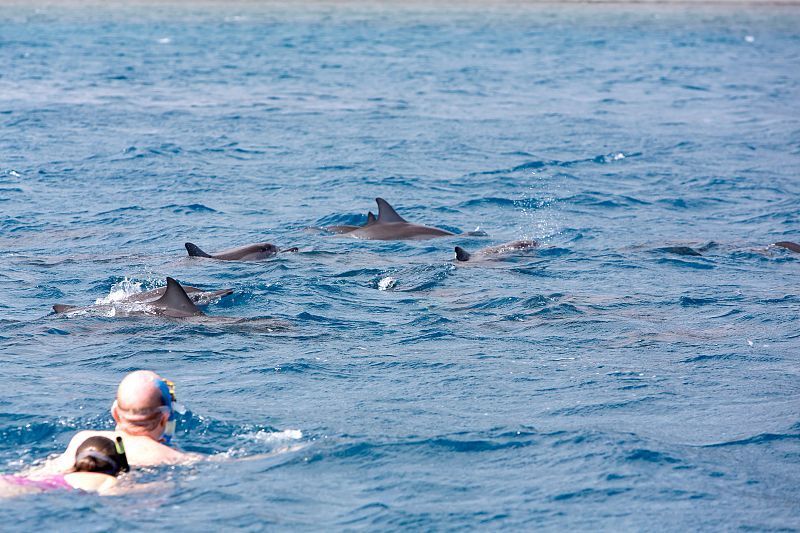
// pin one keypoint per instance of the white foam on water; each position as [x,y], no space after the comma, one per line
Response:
[749,39]
[274,437]
[164,40]
[386,283]
[120,291]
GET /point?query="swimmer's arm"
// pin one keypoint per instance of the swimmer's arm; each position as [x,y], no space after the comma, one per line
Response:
[187,457]
[220,457]
[118,489]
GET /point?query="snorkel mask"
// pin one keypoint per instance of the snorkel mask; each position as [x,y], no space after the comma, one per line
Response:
[167,389]
[145,417]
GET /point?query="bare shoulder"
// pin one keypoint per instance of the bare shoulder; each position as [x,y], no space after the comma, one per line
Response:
[81,436]
[61,463]
[177,456]
[143,451]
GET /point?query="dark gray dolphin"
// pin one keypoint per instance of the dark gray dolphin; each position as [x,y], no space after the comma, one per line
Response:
[679,250]
[495,252]
[346,228]
[793,246]
[251,252]
[389,226]
[168,301]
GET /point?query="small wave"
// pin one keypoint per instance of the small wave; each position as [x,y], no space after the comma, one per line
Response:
[600,495]
[761,438]
[561,310]
[651,456]
[191,208]
[714,357]
[685,263]
[502,202]
[494,440]
[598,199]
[688,301]
[121,210]
[350,219]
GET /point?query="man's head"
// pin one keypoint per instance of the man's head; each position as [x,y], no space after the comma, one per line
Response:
[143,405]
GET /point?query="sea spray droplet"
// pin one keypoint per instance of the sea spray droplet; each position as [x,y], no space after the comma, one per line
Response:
[386,283]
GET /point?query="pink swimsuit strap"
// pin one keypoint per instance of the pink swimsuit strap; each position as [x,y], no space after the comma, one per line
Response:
[52,482]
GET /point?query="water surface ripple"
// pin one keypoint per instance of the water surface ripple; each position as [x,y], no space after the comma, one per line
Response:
[603,382]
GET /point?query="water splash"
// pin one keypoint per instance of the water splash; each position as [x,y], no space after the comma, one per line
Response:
[386,283]
[120,290]
[541,218]
[273,437]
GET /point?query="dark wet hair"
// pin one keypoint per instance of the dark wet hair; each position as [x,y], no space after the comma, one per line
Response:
[99,454]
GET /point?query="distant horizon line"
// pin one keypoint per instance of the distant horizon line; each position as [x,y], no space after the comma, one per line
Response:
[405,3]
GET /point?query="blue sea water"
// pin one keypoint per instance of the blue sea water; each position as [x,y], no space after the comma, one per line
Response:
[601,382]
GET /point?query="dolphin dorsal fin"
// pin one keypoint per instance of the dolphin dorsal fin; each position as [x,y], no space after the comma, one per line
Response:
[195,251]
[462,254]
[370,219]
[386,213]
[175,299]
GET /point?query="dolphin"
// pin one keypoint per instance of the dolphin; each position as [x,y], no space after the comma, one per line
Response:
[251,252]
[345,228]
[389,226]
[172,300]
[494,252]
[679,250]
[793,246]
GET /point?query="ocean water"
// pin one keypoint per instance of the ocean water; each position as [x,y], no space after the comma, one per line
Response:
[601,382]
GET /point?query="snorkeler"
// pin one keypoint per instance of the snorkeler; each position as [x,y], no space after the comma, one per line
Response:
[145,414]
[98,462]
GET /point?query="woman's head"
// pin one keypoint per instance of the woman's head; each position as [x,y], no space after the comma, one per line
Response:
[99,454]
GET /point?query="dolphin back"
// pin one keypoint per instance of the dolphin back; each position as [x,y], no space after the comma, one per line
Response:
[793,246]
[63,308]
[680,250]
[462,254]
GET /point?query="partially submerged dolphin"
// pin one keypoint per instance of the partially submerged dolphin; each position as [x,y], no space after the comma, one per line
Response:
[679,250]
[389,226]
[495,252]
[173,300]
[251,252]
[793,246]
[346,228]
